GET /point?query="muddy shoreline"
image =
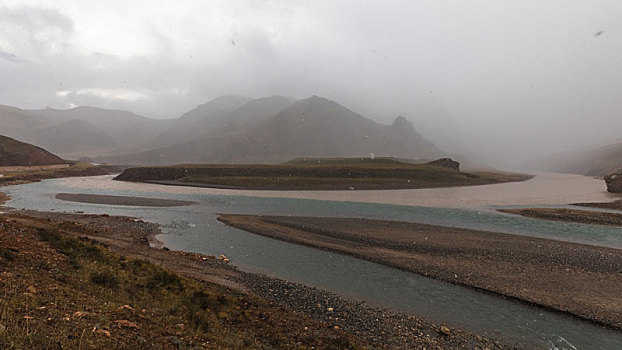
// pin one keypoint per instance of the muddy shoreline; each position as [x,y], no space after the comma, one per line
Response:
[575,279]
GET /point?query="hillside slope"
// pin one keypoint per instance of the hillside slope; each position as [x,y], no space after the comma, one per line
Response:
[596,162]
[16,153]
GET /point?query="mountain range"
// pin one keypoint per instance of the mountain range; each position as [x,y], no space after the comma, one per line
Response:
[80,131]
[598,161]
[228,129]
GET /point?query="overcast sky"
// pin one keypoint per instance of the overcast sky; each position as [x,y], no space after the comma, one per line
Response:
[505,80]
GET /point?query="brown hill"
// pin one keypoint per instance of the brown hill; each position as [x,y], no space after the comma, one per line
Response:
[16,153]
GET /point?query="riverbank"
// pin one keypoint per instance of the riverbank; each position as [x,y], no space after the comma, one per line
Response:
[75,169]
[569,215]
[274,313]
[577,279]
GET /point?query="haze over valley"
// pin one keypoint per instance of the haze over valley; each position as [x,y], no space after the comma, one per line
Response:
[500,87]
[292,174]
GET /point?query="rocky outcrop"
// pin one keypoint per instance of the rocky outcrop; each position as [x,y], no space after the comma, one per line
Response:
[614,182]
[446,163]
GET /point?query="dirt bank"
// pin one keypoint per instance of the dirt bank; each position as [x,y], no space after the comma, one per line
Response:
[578,279]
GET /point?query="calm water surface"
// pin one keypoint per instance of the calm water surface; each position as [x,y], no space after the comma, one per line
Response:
[195,228]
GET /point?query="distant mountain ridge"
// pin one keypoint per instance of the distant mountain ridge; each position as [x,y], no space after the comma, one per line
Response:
[16,153]
[220,116]
[80,131]
[599,161]
[228,129]
[313,127]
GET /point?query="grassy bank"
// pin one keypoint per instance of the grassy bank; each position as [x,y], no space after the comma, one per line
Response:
[329,174]
[61,292]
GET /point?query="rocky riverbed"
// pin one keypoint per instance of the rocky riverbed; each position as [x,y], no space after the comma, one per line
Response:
[577,279]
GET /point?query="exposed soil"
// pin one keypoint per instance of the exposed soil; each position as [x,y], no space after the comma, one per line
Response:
[298,316]
[569,215]
[121,200]
[577,279]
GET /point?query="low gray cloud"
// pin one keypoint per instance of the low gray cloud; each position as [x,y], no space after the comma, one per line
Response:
[504,82]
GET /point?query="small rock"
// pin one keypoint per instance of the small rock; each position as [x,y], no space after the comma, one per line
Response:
[444,331]
[32,289]
[101,331]
[125,324]
[176,341]
[126,307]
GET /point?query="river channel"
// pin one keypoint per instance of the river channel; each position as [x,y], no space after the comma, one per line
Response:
[195,228]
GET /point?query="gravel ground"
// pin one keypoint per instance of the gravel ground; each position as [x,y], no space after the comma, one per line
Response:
[577,279]
[372,324]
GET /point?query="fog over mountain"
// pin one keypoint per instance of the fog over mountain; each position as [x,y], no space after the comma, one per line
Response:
[228,129]
[313,127]
[499,82]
